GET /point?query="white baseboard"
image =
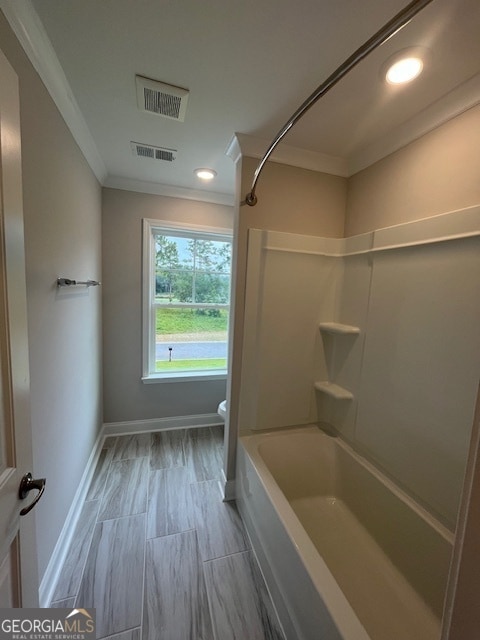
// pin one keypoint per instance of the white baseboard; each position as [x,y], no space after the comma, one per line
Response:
[162,424]
[51,575]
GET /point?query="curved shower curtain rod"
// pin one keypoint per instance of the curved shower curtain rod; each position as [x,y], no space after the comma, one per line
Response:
[381,36]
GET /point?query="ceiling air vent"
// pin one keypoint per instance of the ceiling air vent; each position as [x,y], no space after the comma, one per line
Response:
[154,153]
[163,99]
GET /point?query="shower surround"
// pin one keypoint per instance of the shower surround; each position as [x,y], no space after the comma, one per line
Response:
[376,336]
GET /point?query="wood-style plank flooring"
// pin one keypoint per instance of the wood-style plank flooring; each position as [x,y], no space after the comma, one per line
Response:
[156,550]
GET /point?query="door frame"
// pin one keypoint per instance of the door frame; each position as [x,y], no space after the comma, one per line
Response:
[16,300]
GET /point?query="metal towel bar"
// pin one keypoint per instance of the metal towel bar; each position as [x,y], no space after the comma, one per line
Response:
[381,36]
[68,282]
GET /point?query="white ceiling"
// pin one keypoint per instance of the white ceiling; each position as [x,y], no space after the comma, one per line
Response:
[248,65]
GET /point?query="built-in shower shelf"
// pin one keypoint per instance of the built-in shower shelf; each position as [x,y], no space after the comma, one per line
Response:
[333,390]
[336,327]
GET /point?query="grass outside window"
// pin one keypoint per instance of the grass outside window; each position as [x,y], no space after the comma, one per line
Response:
[181,321]
[186,301]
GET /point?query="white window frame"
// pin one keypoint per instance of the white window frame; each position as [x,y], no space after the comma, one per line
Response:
[150,228]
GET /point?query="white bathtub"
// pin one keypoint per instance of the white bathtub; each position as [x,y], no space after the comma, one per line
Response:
[345,553]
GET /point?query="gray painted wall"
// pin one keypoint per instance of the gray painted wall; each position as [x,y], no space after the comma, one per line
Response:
[62,211]
[433,174]
[126,398]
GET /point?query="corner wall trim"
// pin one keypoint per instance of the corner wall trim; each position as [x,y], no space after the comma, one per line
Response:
[228,488]
[57,559]
[161,424]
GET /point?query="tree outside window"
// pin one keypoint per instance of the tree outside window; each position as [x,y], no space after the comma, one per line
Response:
[191,300]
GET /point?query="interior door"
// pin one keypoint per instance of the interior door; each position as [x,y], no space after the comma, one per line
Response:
[18,562]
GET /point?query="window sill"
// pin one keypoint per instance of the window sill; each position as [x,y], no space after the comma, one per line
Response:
[185,376]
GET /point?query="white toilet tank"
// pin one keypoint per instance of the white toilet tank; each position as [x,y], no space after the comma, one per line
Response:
[222,409]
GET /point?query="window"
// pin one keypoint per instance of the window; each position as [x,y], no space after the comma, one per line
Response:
[186,301]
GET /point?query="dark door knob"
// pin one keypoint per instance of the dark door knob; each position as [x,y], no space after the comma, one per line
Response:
[26,485]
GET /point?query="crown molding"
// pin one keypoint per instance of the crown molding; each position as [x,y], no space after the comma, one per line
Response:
[171,191]
[254,147]
[31,34]
[449,106]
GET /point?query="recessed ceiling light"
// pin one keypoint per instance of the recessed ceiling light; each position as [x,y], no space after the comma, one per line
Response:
[405,65]
[404,70]
[205,174]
